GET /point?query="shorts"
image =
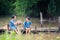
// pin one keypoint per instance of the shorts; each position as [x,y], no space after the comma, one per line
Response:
[13,28]
[25,28]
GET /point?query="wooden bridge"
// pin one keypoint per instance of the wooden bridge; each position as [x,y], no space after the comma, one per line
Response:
[43,29]
[36,29]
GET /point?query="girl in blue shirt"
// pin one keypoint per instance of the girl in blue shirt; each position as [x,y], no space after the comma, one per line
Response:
[27,25]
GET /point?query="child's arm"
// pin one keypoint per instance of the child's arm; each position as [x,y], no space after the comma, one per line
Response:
[18,22]
[30,25]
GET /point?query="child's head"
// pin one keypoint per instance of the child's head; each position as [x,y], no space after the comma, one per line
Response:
[14,17]
[27,18]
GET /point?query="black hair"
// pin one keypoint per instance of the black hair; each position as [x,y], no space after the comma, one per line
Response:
[13,16]
[28,18]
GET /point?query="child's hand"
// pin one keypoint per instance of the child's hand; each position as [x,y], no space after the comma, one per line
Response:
[19,22]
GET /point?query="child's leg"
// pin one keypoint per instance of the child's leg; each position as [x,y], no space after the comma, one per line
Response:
[16,31]
[27,30]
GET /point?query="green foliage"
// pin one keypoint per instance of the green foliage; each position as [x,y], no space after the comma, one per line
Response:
[20,6]
[28,7]
[23,5]
[17,7]
[52,8]
[4,7]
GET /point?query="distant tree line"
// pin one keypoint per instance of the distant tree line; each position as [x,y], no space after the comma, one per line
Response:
[30,7]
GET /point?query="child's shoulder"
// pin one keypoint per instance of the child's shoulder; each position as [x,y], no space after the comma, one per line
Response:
[30,22]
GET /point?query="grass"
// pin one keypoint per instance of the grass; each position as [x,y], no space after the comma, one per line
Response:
[35,21]
[40,36]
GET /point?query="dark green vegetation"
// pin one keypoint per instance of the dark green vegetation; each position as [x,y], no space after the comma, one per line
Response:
[49,8]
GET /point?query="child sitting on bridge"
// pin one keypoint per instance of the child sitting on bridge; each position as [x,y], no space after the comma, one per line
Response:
[27,25]
[13,24]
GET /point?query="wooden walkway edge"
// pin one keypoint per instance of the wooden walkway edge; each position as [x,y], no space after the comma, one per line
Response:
[47,29]
[41,29]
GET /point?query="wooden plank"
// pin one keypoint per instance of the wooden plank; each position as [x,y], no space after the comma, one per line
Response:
[39,29]
[44,29]
[47,29]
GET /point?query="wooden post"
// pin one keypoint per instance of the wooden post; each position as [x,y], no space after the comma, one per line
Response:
[41,19]
[59,22]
